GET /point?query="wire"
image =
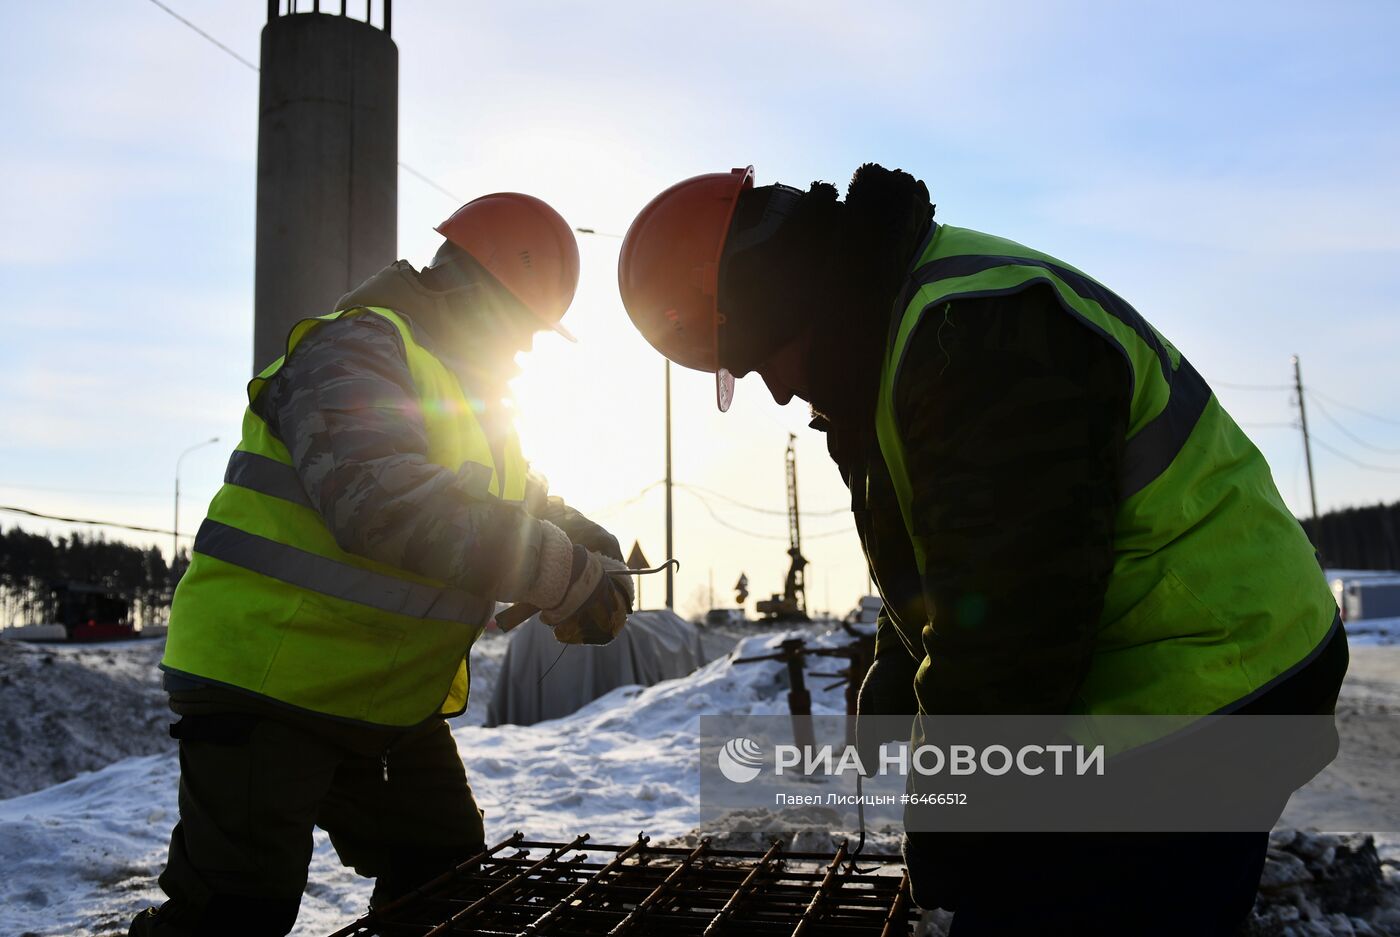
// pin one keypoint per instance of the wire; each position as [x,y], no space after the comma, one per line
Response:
[1346,406]
[402,165]
[445,191]
[750,533]
[759,510]
[87,491]
[1327,414]
[1269,425]
[78,520]
[1392,470]
[240,59]
[1215,383]
[601,234]
[608,510]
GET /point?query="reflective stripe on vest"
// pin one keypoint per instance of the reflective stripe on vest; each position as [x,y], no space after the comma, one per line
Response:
[1215,591]
[1149,452]
[272,605]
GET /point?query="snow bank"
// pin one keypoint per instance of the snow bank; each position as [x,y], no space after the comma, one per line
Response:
[70,708]
[1379,631]
[82,856]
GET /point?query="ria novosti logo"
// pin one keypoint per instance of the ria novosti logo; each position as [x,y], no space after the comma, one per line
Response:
[741,760]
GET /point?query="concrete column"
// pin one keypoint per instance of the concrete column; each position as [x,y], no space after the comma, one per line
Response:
[327,167]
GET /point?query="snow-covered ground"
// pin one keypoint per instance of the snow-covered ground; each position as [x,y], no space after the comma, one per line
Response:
[69,708]
[81,857]
[1370,631]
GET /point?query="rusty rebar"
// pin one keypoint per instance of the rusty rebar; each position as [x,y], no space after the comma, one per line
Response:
[742,891]
[660,891]
[814,907]
[587,887]
[507,886]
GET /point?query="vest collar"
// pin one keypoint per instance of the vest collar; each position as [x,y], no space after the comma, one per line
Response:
[434,316]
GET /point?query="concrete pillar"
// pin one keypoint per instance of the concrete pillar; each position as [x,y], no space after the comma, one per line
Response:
[327,164]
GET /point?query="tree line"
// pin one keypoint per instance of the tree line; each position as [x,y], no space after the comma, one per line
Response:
[1358,538]
[32,565]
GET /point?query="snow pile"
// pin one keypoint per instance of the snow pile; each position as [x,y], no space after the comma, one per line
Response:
[628,761]
[1382,631]
[1322,884]
[82,857]
[70,708]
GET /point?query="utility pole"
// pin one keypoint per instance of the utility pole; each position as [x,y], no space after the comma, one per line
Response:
[175,527]
[1307,443]
[670,550]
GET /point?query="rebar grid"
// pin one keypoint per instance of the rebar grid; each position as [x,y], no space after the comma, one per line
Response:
[522,886]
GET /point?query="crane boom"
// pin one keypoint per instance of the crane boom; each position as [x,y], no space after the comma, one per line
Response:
[792,604]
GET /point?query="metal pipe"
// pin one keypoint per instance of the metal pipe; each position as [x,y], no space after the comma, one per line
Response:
[670,549]
[388,17]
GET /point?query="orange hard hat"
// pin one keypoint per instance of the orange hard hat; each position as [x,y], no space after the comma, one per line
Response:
[526,245]
[668,271]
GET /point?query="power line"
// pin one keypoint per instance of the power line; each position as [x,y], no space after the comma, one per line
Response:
[1346,406]
[238,58]
[690,490]
[1348,433]
[1252,387]
[758,510]
[421,176]
[413,172]
[1391,470]
[608,510]
[86,491]
[78,520]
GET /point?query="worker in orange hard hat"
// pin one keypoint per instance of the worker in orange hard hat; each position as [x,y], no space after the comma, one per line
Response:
[375,511]
[1060,516]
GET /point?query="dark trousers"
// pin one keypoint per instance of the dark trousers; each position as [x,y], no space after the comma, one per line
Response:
[1202,884]
[252,787]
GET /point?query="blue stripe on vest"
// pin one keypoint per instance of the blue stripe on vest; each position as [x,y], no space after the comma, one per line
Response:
[1148,453]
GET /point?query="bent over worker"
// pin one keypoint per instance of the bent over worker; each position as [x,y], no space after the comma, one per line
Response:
[1060,516]
[376,509]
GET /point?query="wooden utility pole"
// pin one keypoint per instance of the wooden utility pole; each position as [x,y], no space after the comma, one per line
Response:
[1307,443]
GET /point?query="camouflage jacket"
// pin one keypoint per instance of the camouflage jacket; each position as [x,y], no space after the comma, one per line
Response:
[1015,418]
[343,404]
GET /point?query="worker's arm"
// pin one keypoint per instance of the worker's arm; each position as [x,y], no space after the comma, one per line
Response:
[888,688]
[580,529]
[1014,418]
[346,408]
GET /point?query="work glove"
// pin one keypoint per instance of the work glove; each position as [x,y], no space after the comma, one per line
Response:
[580,529]
[596,604]
[888,690]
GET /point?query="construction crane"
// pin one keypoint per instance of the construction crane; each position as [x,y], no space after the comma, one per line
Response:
[792,604]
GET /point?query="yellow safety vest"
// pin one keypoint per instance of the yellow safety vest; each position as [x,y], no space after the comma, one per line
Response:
[1216,593]
[273,606]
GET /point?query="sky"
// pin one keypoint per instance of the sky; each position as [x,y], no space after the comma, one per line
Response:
[1229,169]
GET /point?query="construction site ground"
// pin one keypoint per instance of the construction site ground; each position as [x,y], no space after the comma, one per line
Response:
[92,779]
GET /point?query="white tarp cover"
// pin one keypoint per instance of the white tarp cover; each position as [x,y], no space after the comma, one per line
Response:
[655,646]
